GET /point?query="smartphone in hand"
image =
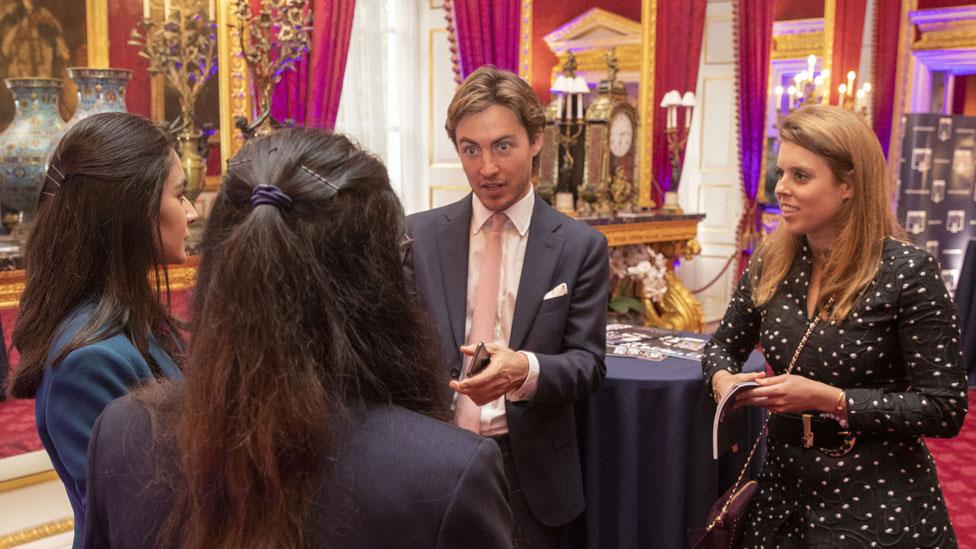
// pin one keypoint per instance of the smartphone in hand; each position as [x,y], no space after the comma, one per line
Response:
[479,361]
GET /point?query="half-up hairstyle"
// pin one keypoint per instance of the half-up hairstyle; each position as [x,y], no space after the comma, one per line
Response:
[94,240]
[303,319]
[853,152]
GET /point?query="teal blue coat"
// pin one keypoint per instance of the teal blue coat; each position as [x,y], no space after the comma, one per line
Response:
[72,395]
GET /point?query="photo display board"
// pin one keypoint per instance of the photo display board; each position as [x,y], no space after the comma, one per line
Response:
[936,190]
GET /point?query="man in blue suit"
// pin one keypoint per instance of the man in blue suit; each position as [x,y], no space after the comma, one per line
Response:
[501,266]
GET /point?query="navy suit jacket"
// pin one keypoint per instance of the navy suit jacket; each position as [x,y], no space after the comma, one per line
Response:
[567,334]
[400,479]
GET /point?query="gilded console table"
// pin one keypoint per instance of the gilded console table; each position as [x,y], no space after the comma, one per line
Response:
[675,237]
[181,277]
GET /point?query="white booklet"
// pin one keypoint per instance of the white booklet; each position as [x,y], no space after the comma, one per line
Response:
[729,422]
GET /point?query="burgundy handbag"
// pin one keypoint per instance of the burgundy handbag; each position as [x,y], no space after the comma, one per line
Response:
[723,526]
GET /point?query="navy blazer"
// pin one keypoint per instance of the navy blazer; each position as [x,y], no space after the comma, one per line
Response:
[400,479]
[567,334]
[72,394]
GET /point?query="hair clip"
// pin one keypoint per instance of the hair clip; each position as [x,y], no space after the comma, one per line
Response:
[321,178]
[237,161]
[54,167]
[55,181]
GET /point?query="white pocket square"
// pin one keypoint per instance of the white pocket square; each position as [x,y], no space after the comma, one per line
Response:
[558,291]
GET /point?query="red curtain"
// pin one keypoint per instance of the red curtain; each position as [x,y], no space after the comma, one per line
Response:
[886,31]
[310,94]
[288,101]
[125,14]
[753,35]
[848,34]
[487,32]
[677,54]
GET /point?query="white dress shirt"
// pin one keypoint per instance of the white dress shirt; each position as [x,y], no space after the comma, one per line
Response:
[515,235]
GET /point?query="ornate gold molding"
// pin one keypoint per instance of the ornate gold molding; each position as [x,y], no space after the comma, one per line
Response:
[650,232]
[28,480]
[677,310]
[234,82]
[46,530]
[798,46]
[525,41]
[646,102]
[590,20]
[830,16]
[181,277]
[902,92]
[96,27]
[595,60]
[947,39]
[945,28]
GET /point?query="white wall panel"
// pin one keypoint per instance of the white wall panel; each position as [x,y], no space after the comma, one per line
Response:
[717,144]
[710,181]
[719,47]
[443,180]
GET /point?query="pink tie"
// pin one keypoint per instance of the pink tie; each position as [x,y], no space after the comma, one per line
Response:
[483,317]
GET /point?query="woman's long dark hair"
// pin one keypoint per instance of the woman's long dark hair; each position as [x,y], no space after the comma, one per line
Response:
[94,240]
[303,318]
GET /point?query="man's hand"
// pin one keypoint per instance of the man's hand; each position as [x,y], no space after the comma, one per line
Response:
[506,372]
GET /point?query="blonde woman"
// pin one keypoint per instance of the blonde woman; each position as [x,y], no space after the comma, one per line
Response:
[879,372]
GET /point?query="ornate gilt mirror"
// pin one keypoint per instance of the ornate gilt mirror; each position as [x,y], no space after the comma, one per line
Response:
[549,28]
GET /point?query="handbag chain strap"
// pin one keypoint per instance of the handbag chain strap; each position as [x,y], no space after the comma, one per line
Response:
[765,427]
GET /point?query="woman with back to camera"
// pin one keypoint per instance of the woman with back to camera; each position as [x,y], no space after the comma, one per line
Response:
[309,415]
[880,370]
[93,319]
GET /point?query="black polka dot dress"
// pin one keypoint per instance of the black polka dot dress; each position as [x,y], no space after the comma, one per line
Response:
[897,356]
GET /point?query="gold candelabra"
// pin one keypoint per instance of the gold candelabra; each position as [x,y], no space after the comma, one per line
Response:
[182,48]
[809,87]
[570,123]
[272,41]
[676,130]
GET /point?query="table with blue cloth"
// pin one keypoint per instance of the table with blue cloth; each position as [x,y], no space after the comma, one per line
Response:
[646,446]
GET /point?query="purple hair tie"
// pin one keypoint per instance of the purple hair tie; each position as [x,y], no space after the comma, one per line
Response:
[269,194]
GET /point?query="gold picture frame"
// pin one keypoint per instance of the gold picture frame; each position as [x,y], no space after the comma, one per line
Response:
[96,21]
[234,81]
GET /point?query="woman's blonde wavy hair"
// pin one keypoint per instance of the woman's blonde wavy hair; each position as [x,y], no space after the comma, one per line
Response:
[854,155]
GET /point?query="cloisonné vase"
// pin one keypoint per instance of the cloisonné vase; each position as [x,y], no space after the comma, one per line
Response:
[25,145]
[99,90]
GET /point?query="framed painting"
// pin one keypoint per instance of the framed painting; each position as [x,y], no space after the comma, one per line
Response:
[42,38]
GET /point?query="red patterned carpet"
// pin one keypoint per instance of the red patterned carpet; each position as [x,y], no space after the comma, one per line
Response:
[17,432]
[955,461]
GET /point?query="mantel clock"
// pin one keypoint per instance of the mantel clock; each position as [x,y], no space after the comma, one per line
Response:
[610,164]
